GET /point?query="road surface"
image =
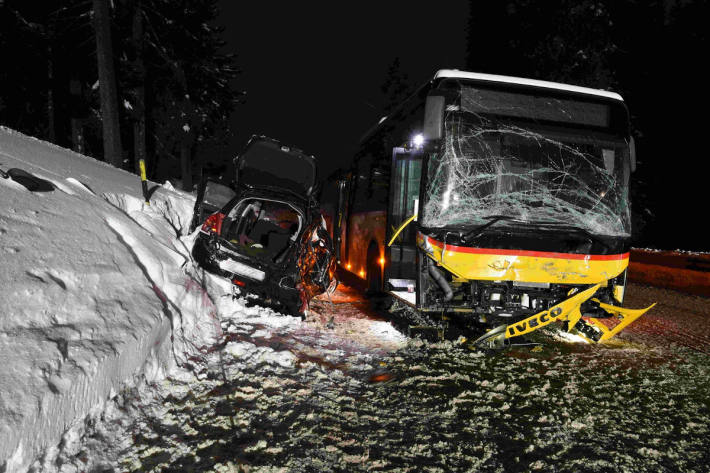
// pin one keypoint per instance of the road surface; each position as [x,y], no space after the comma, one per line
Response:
[345,392]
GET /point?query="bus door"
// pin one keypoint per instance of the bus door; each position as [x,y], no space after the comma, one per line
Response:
[403,203]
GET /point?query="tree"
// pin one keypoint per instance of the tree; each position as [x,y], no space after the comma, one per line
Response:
[139,105]
[26,75]
[173,87]
[113,152]
[396,87]
[192,79]
[560,40]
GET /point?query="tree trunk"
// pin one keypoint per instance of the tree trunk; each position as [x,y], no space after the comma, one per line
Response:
[186,166]
[77,116]
[51,128]
[107,84]
[139,139]
[77,135]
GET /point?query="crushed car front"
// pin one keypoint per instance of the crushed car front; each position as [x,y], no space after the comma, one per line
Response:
[264,239]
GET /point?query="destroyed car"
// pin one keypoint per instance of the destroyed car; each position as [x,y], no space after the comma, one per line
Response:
[265,233]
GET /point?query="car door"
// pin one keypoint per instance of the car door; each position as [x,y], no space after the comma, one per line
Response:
[211,197]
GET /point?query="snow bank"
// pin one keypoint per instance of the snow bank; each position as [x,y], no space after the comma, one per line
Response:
[91,283]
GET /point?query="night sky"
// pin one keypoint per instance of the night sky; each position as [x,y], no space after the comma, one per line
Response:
[313,70]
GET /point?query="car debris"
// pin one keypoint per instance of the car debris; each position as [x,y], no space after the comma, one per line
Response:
[265,233]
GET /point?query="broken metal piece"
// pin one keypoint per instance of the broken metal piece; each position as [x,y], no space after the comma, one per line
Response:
[626,316]
[568,311]
[559,311]
[494,339]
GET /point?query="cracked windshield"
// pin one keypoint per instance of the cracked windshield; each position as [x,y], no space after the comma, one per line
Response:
[537,160]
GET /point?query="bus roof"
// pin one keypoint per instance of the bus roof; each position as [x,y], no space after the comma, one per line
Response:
[456,74]
[479,76]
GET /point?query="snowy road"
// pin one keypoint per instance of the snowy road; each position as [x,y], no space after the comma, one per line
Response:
[281,395]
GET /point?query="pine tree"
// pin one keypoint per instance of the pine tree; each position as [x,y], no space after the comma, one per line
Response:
[396,87]
[175,87]
[113,151]
[192,80]
[26,75]
[567,41]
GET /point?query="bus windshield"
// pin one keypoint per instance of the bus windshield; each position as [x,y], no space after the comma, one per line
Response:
[552,162]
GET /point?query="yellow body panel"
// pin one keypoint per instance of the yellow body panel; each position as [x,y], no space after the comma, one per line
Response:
[627,316]
[565,310]
[527,266]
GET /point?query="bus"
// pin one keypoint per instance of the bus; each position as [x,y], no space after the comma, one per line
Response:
[502,200]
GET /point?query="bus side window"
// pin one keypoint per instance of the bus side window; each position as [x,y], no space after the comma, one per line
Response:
[359,198]
[379,187]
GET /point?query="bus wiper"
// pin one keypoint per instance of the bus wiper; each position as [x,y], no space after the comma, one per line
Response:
[575,229]
[492,220]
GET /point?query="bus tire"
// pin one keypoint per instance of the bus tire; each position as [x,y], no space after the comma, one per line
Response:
[374,270]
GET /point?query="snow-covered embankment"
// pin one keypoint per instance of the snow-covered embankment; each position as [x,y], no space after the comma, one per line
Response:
[93,292]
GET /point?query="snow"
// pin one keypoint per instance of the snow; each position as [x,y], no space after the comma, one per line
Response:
[441,407]
[99,296]
[91,287]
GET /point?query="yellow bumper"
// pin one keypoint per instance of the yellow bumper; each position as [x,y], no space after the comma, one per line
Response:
[520,265]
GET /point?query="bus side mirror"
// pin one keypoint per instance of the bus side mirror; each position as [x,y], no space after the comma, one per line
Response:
[632,154]
[433,118]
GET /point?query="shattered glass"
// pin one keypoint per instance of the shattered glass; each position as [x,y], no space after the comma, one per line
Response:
[503,157]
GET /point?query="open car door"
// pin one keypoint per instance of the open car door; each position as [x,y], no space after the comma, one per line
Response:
[267,164]
[211,197]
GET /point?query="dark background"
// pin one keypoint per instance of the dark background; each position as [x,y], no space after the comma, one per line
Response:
[313,71]
[317,75]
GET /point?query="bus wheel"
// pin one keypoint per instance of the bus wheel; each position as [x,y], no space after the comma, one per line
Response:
[374,270]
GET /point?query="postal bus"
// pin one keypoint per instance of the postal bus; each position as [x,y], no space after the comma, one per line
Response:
[501,199]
